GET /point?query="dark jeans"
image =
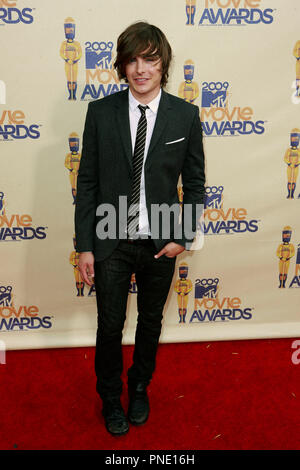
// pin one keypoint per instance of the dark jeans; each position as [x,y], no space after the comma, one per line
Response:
[112,281]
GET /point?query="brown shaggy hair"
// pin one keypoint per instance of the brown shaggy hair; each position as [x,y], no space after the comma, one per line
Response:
[146,40]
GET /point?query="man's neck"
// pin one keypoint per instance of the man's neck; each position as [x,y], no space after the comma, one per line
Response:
[147,98]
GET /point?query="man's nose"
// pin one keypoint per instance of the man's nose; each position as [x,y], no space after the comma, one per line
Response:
[140,66]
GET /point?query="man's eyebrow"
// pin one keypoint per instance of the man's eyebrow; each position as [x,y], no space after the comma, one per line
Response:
[151,56]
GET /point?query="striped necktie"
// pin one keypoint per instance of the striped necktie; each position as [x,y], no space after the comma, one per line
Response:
[137,163]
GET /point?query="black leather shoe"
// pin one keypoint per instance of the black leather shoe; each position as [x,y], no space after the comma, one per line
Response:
[138,410]
[115,420]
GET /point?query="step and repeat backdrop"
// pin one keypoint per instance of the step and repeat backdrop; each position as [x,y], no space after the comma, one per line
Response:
[239,61]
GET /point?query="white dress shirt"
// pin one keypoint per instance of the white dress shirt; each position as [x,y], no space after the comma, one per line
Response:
[134,116]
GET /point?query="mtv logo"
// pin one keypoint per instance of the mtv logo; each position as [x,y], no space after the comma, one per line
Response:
[213,197]
[102,59]
[206,288]
[216,99]
[5,296]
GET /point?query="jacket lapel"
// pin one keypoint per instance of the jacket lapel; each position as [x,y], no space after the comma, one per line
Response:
[122,113]
[162,119]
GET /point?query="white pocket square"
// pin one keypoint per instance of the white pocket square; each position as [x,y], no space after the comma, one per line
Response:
[174,141]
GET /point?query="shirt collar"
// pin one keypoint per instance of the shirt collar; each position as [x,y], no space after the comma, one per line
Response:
[153,105]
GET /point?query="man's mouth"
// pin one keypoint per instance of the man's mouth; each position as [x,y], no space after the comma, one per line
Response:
[141,80]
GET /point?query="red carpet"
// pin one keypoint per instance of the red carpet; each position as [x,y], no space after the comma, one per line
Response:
[217,395]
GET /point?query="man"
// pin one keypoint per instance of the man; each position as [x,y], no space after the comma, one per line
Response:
[136,143]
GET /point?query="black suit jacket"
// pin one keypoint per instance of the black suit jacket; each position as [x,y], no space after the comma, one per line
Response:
[106,171]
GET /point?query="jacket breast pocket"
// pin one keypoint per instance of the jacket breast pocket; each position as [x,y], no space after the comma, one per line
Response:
[175,146]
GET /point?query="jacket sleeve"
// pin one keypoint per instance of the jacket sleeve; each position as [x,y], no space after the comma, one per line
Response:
[87,186]
[193,184]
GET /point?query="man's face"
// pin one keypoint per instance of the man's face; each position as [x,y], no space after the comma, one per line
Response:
[144,77]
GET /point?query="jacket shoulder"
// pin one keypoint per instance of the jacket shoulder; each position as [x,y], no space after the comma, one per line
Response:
[109,100]
[182,104]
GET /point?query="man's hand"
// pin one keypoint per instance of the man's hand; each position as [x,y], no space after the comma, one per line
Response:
[170,250]
[86,267]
